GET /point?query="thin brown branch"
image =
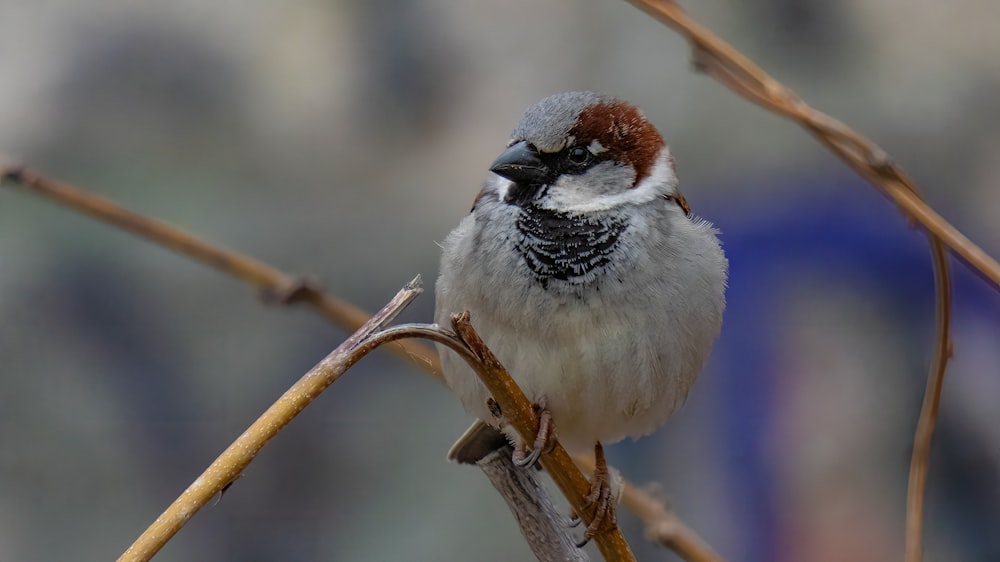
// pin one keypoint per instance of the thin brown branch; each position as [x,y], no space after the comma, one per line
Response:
[920,459]
[271,282]
[234,460]
[517,410]
[265,277]
[231,463]
[663,526]
[734,70]
[737,72]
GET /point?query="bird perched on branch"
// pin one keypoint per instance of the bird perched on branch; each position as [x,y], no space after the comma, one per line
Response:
[586,274]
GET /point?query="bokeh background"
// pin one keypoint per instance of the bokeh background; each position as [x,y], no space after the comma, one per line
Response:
[342,139]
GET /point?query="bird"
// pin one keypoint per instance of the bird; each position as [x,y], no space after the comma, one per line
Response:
[586,273]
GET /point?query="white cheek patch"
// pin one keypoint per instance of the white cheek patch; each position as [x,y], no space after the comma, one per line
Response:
[661,178]
[566,195]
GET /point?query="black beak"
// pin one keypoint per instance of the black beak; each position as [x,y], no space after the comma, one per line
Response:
[521,164]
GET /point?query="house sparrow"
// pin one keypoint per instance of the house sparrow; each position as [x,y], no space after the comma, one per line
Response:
[585,273]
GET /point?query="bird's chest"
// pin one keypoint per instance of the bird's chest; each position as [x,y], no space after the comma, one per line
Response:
[559,248]
[561,307]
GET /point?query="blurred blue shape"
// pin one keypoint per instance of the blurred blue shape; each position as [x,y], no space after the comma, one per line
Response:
[836,226]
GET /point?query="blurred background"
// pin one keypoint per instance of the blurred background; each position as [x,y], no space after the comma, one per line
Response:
[342,139]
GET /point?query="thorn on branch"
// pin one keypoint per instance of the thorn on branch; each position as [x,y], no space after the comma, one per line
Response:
[302,289]
[882,163]
[13,174]
[494,408]
[226,488]
[700,58]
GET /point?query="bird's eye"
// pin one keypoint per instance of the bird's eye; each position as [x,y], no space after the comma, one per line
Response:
[578,155]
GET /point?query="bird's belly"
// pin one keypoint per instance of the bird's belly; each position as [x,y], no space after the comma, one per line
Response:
[601,380]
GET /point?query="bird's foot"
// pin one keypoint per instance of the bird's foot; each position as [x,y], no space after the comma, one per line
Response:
[544,440]
[603,497]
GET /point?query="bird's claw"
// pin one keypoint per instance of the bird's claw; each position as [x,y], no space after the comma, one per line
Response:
[602,498]
[544,440]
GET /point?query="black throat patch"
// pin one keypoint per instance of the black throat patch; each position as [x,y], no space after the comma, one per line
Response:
[566,246]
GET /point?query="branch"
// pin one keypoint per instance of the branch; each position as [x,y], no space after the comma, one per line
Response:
[723,62]
[517,410]
[920,458]
[274,285]
[231,463]
[665,528]
[735,71]
[266,278]
[234,460]
[662,525]
[543,526]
